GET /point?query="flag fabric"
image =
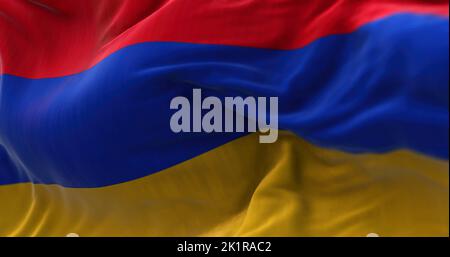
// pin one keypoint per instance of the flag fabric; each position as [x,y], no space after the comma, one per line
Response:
[86,147]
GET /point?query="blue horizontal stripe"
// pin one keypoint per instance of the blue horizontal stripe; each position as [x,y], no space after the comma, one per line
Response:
[381,88]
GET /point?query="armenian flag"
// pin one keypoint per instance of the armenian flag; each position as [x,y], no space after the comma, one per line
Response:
[85,139]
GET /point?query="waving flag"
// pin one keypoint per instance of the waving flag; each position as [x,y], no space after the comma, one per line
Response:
[85,139]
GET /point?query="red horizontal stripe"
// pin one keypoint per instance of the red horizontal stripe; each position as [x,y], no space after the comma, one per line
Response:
[54,38]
